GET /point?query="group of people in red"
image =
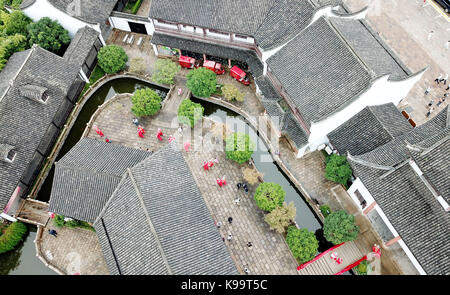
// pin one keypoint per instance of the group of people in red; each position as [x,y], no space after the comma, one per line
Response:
[99,132]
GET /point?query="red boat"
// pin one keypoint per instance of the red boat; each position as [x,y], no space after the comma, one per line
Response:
[214,66]
[239,75]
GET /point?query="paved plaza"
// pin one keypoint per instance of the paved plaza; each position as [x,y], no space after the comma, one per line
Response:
[74,251]
[405,26]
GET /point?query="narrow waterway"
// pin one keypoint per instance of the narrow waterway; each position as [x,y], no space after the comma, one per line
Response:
[264,162]
[23,260]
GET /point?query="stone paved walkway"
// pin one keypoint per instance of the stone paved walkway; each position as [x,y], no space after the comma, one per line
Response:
[74,251]
[404,25]
[269,253]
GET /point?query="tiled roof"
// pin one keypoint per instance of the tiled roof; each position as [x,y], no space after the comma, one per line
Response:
[26,123]
[369,47]
[434,161]
[372,127]
[89,11]
[87,175]
[319,72]
[271,22]
[291,127]
[266,87]
[81,45]
[155,224]
[249,56]
[413,211]
[404,197]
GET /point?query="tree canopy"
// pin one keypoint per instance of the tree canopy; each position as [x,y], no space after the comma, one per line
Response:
[202,82]
[302,243]
[48,34]
[189,112]
[338,169]
[269,195]
[146,102]
[231,93]
[15,22]
[239,147]
[340,227]
[165,71]
[281,217]
[112,59]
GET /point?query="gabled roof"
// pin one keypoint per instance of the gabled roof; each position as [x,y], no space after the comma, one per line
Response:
[156,222]
[270,22]
[372,127]
[413,211]
[408,200]
[319,71]
[24,122]
[81,45]
[291,127]
[87,175]
[92,12]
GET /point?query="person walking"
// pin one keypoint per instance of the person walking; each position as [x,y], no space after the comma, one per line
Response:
[430,111]
[446,45]
[219,224]
[441,100]
[249,244]
[108,140]
[53,233]
[230,220]
[430,34]
[438,79]
[246,270]
[239,185]
[430,103]
[229,237]
[237,200]
[445,79]
[136,122]
[427,90]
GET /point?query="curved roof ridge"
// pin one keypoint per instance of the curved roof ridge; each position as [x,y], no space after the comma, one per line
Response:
[358,160]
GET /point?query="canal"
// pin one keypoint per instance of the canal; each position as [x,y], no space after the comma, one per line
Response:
[23,260]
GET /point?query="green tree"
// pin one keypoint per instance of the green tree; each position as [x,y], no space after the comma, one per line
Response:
[137,66]
[112,59]
[12,236]
[239,147]
[189,112]
[202,82]
[146,102]
[302,243]
[48,34]
[165,71]
[338,169]
[340,227]
[231,93]
[269,195]
[9,45]
[281,217]
[15,22]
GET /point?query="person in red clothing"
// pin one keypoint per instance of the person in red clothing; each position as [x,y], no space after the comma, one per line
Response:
[159,134]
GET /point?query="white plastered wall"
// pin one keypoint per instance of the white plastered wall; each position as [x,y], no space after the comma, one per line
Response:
[42,8]
[122,24]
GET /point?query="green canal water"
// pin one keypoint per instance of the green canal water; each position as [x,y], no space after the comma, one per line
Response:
[23,260]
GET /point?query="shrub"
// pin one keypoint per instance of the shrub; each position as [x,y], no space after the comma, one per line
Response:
[48,34]
[146,102]
[136,6]
[302,243]
[281,217]
[340,227]
[239,147]
[269,196]
[362,268]
[137,66]
[59,220]
[325,209]
[12,236]
[189,112]
[338,169]
[202,82]
[9,45]
[15,22]
[165,71]
[231,93]
[112,59]
[251,175]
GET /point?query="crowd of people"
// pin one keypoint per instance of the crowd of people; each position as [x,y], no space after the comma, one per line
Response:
[442,86]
